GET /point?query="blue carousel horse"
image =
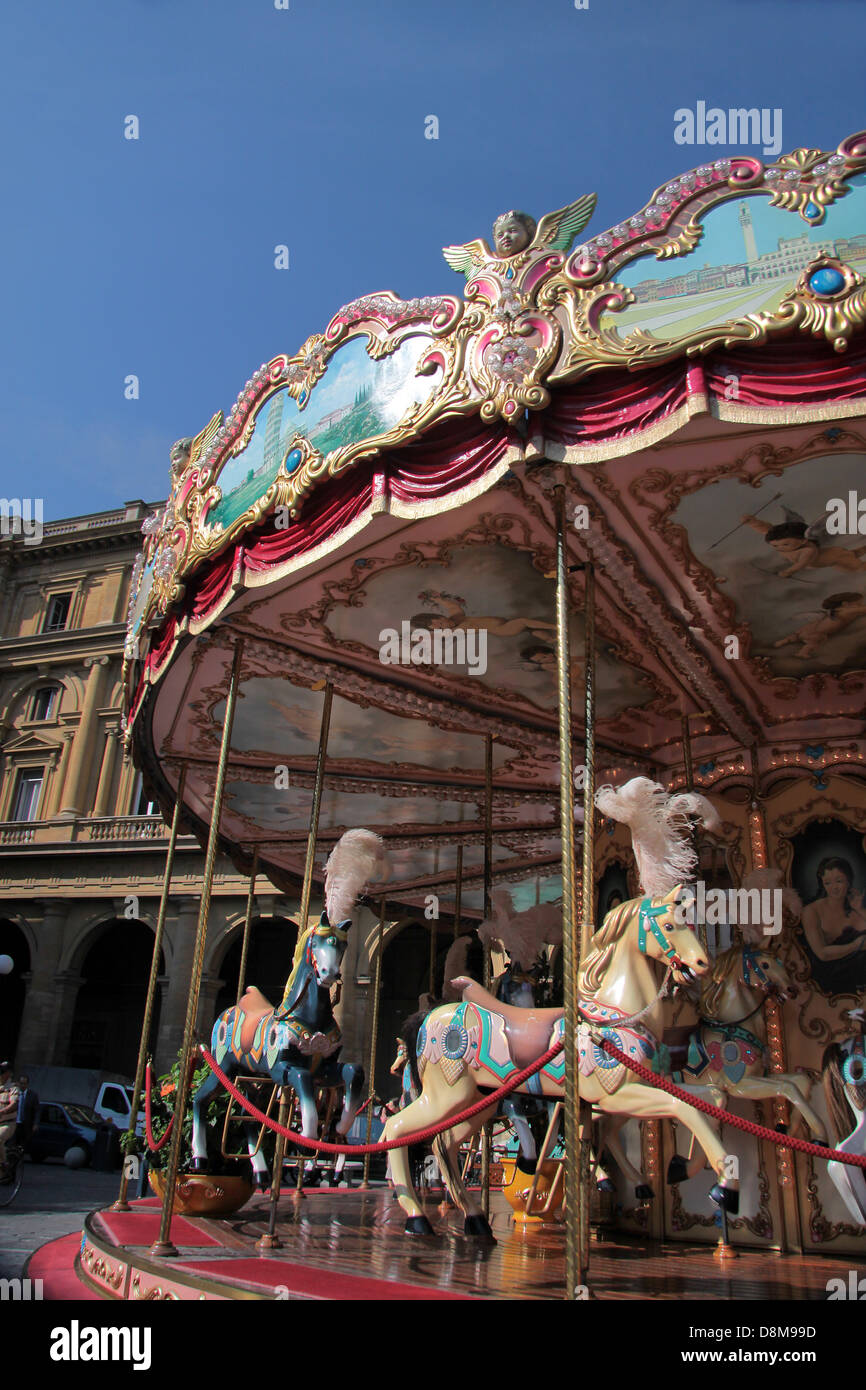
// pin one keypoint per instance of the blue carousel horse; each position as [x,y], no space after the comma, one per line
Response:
[297,1044]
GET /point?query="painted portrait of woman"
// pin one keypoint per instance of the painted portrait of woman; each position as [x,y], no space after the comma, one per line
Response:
[834,928]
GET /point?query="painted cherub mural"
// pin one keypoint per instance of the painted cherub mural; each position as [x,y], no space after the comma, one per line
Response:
[838,612]
[453,615]
[806,546]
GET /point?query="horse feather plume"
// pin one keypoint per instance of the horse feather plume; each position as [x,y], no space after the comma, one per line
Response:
[660,827]
[357,859]
[523,934]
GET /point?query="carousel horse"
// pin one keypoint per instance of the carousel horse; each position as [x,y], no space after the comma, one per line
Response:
[844,1072]
[517,988]
[480,1042]
[726,1055]
[298,1044]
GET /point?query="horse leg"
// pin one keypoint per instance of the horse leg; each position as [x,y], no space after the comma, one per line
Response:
[435,1102]
[790,1088]
[609,1139]
[199,1142]
[446,1147]
[512,1109]
[645,1102]
[301,1081]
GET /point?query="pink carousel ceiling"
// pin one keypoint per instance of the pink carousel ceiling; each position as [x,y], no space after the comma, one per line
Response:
[378,512]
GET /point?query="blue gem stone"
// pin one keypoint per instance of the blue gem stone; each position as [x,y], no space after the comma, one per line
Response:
[706,768]
[826,280]
[509,274]
[302,397]
[832,435]
[811,210]
[292,460]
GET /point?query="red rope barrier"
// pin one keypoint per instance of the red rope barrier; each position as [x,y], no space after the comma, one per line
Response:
[419,1137]
[153,1144]
[784,1141]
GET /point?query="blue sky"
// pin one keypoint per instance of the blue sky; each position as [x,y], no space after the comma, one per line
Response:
[306,127]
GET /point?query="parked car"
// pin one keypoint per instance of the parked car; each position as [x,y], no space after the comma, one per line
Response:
[64,1126]
[108,1093]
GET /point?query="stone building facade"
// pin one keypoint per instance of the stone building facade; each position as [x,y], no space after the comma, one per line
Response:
[82,849]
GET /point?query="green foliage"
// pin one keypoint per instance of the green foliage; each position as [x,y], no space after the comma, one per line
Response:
[162,1109]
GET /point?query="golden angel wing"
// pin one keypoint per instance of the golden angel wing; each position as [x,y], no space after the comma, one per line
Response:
[469,258]
[558,229]
[202,441]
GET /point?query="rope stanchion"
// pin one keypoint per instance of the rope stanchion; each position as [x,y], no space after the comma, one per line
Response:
[153,1144]
[418,1137]
[662,1083]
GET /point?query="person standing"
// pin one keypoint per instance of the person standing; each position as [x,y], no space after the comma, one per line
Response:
[10,1095]
[28,1109]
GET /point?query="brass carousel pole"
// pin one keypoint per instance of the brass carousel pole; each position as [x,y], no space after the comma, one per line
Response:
[371,1079]
[245,948]
[163,1244]
[487,1129]
[270,1240]
[458,893]
[317,805]
[573,1242]
[122,1204]
[587,905]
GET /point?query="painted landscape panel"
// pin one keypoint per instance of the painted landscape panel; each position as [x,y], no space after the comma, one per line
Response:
[356,399]
[750,255]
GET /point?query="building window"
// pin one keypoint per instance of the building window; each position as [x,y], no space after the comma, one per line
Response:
[142,801]
[27,793]
[58,613]
[43,702]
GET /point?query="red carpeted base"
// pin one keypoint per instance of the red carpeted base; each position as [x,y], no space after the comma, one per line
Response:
[53,1264]
[300,1281]
[139,1227]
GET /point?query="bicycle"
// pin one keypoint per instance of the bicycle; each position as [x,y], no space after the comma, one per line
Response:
[11,1174]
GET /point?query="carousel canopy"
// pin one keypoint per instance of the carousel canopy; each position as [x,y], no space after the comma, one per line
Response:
[378,511]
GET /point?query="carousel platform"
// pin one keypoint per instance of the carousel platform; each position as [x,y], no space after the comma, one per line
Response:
[340,1244]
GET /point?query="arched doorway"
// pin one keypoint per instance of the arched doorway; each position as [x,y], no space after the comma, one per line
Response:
[405,976]
[13,988]
[269,963]
[106,1026]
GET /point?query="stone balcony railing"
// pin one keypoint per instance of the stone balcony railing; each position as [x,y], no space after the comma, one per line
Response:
[73,829]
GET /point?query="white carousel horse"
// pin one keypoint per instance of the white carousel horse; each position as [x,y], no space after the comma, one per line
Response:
[480,1042]
[844,1069]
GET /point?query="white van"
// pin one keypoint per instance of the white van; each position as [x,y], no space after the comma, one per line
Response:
[108,1093]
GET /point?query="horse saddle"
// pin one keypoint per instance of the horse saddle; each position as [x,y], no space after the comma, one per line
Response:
[253,1006]
[528,1031]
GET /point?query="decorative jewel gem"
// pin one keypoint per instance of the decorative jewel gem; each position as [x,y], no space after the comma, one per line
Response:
[637,221]
[820,169]
[771,175]
[723,166]
[827,280]
[687,181]
[292,460]
[604,240]
[836,159]
[811,210]
[791,176]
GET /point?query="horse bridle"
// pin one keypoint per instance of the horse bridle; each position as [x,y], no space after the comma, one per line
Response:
[648,914]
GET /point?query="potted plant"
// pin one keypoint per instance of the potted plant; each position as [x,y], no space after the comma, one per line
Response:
[226,1185]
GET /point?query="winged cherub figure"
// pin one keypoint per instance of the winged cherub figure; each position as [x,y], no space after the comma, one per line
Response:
[515,232]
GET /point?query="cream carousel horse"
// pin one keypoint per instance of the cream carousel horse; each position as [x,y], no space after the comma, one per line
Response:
[480,1042]
[726,1055]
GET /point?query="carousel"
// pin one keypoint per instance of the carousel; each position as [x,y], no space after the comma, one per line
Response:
[531,617]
